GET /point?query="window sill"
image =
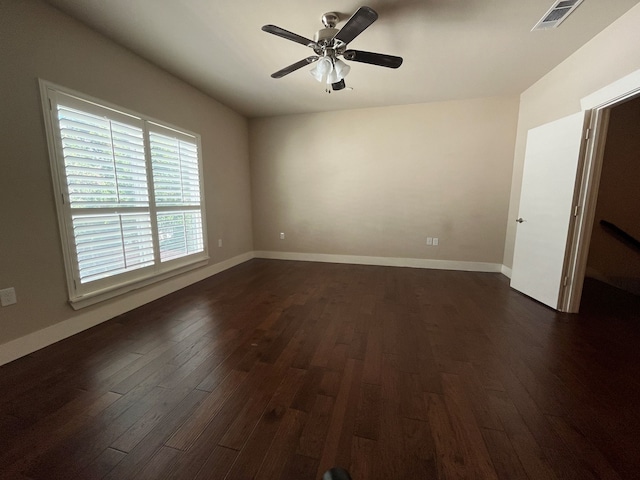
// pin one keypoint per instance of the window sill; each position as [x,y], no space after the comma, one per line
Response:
[97,297]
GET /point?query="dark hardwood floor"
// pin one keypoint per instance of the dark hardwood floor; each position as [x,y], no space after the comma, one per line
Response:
[280,370]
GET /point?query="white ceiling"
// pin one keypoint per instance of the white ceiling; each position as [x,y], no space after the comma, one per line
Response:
[452,49]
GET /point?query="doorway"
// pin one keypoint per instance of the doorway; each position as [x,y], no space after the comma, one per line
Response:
[614,254]
[620,101]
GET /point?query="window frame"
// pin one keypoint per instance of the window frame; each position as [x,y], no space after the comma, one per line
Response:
[83,295]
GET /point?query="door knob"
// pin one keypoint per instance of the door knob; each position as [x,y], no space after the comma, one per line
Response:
[520,220]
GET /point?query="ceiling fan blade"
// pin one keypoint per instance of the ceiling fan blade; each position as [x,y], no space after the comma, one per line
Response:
[380,59]
[294,67]
[357,24]
[294,37]
[339,85]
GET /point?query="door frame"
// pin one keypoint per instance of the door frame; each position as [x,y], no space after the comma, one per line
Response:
[600,103]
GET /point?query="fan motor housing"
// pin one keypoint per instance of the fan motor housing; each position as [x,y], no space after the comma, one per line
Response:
[325,39]
[324,35]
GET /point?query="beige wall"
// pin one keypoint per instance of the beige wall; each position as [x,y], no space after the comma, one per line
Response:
[38,41]
[618,196]
[372,182]
[609,56]
[377,182]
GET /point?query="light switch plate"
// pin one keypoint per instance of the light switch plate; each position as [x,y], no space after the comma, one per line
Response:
[8,297]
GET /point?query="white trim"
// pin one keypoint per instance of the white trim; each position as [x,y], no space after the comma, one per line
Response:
[82,295]
[46,84]
[383,261]
[623,87]
[601,102]
[136,284]
[42,338]
[506,271]
[588,181]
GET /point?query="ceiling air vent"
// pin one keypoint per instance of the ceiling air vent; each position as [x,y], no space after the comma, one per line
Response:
[556,14]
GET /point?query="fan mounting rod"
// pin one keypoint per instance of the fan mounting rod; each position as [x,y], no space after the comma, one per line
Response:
[325,38]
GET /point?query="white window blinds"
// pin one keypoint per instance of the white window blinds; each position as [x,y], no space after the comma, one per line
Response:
[104,160]
[132,197]
[176,185]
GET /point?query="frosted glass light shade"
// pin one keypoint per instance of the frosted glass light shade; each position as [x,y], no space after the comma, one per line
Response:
[341,69]
[322,69]
[333,76]
[329,70]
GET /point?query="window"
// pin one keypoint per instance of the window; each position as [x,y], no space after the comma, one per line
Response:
[129,195]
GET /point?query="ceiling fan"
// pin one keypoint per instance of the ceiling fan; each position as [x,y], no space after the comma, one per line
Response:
[329,43]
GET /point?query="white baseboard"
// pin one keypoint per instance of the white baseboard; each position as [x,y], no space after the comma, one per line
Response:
[42,338]
[384,261]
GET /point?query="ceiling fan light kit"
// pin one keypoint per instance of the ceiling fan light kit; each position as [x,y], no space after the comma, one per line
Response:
[330,43]
[330,70]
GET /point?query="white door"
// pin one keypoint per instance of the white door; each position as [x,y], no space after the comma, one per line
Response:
[546,208]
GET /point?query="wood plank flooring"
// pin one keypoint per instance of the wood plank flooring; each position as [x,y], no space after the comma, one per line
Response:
[281,370]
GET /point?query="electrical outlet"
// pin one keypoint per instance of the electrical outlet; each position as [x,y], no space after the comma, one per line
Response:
[429,241]
[435,241]
[281,235]
[8,297]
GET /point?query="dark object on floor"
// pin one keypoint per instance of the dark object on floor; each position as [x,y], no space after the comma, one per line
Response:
[336,474]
